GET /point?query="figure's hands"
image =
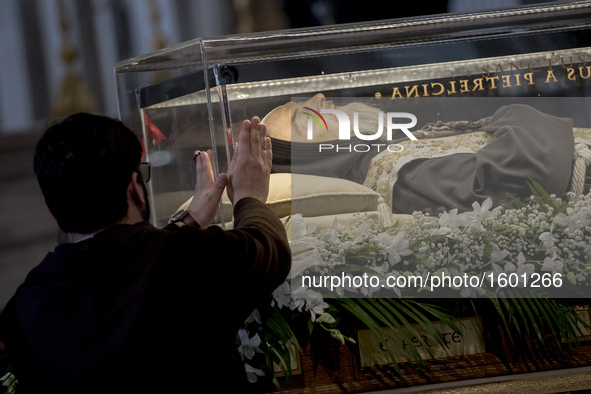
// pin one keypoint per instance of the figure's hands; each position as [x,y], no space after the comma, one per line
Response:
[250,168]
[208,192]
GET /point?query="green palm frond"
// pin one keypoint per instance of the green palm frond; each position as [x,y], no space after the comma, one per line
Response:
[401,316]
[526,316]
[279,341]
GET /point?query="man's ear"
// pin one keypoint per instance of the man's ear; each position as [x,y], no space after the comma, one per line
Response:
[135,191]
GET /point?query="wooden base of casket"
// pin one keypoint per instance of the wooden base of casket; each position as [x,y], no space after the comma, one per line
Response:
[477,373]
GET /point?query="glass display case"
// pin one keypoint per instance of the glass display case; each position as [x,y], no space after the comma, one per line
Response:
[196,94]
[427,78]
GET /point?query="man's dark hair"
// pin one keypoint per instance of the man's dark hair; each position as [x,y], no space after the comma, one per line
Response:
[84,165]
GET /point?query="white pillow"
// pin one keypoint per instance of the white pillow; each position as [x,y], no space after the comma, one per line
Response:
[313,195]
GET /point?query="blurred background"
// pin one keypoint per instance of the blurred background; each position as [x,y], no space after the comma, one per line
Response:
[57,58]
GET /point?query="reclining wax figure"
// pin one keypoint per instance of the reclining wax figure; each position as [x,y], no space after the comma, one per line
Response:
[503,152]
[287,128]
[125,307]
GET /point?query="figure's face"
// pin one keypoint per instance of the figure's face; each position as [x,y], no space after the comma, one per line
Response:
[290,122]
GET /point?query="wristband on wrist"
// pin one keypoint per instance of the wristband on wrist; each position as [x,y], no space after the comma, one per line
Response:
[185,217]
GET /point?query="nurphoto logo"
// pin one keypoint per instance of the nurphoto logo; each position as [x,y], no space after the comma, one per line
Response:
[393,122]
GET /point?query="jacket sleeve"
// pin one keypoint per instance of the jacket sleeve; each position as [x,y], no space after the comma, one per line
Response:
[263,235]
[253,258]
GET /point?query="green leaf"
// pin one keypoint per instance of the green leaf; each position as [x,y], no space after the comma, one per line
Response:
[395,324]
[414,313]
[543,198]
[354,309]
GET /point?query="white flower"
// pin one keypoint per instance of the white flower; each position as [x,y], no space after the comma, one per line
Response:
[551,264]
[400,244]
[304,254]
[8,379]
[450,220]
[497,270]
[248,346]
[453,221]
[369,290]
[497,254]
[304,246]
[308,300]
[482,211]
[281,295]
[252,373]
[548,239]
[472,292]
[523,267]
[254,316]
[360,230]
[479,215]
[295,227]
[396,246]
[574,219]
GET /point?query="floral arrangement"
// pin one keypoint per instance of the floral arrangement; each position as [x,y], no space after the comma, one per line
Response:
[543,244]
[519,255]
